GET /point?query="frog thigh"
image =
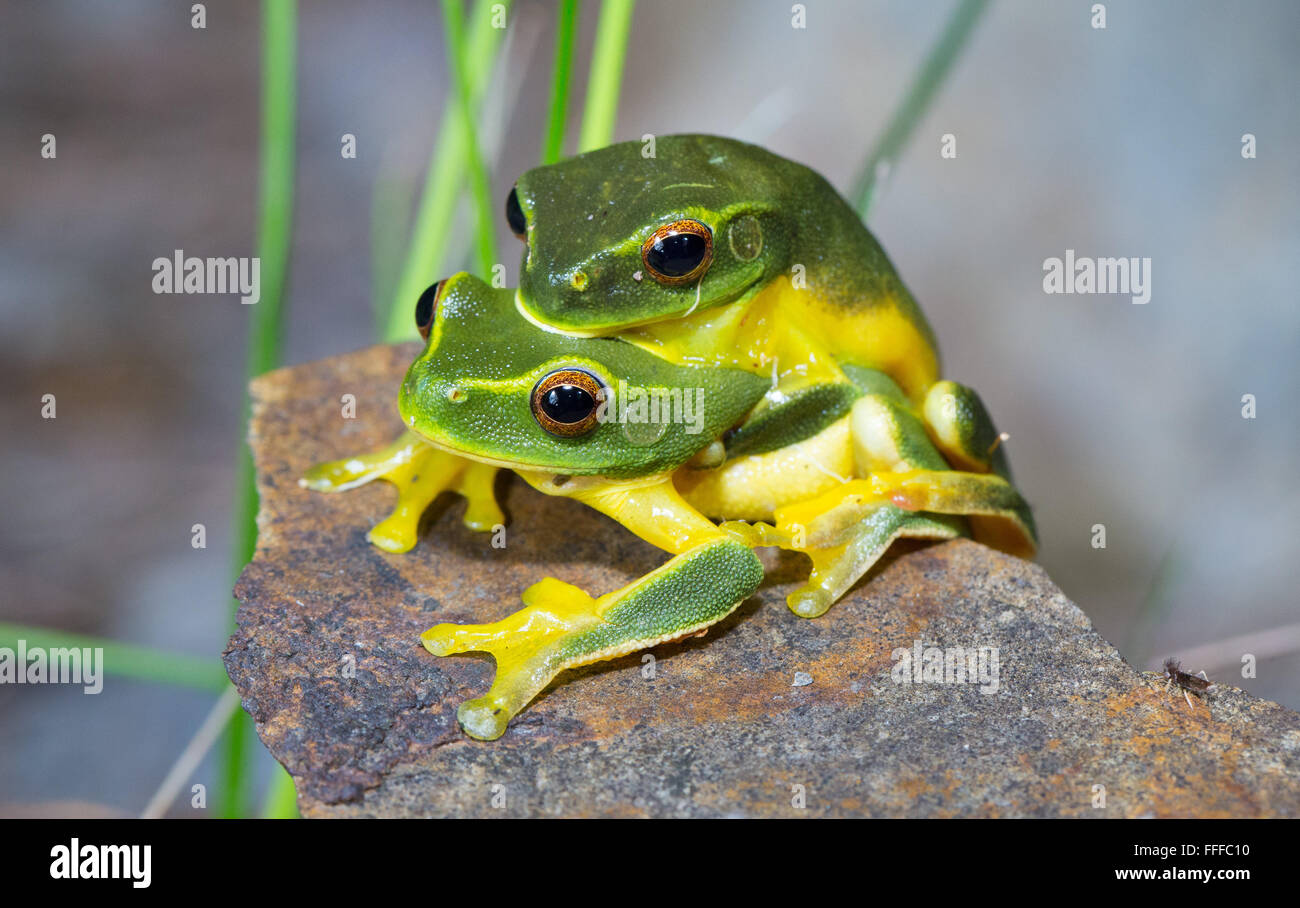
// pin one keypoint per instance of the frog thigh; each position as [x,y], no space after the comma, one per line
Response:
[420,472]
[893,449]
[561,626]
[905,489]
[845,528]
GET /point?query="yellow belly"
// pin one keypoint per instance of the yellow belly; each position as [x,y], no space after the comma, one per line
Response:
[798,339]
[753,487]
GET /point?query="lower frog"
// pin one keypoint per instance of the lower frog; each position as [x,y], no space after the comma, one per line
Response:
[713,466]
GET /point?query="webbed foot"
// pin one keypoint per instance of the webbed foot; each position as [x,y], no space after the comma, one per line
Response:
[562,627]
[420,472]
[844,532]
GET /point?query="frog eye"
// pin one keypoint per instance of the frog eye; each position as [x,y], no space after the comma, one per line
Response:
[567,402]
[515,216]
[679,252]
[426,308]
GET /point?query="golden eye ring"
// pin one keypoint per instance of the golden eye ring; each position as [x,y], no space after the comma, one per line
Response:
[678,253]
[567,402]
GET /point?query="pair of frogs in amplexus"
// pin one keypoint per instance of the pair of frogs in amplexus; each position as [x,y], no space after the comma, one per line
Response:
[717,267]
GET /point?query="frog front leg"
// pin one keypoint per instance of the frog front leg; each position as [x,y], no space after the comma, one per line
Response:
[420,472]
[562,627]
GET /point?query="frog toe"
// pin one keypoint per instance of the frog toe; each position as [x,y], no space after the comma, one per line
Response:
[420,472]
[482,513]
[484,718]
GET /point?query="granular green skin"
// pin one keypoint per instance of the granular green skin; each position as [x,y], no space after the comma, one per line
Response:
[590,214]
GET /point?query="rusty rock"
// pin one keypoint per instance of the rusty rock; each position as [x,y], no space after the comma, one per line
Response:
[327,660]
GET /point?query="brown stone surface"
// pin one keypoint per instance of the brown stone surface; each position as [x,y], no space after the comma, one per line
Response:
[721,729]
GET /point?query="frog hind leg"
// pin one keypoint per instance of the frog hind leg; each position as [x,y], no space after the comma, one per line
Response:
[844,535]
[562,627]
[905,460]
[906,489]
[420,472]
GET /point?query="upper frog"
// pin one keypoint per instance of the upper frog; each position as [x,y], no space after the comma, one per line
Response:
[627,235]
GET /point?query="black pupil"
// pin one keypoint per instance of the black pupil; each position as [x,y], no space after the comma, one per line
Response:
[515,215]
[424,309]
[567,404]
[677,255]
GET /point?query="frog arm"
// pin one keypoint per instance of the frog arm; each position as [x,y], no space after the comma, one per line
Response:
[652,509]
[561,626]
[420,472]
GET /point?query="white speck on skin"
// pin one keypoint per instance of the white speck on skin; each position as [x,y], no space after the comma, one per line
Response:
[802,679]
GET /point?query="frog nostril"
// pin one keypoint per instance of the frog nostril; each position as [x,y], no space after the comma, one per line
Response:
[426,308]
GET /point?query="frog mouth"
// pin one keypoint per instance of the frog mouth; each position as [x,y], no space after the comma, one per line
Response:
[500,462]
[726,295]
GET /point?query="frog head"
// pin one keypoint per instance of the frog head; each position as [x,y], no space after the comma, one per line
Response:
[631,234]
[493,387]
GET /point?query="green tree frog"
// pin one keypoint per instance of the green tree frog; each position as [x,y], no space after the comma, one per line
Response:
[767,406]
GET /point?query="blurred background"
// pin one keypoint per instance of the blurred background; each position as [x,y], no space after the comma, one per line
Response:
[1123,141]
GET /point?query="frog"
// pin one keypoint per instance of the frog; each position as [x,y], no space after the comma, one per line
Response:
[706,248]
[835,470]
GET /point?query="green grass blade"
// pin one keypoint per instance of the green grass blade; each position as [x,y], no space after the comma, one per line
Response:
[126,660]
[274,228]
[281,801]
[566,27]
[453,19]
[913,107]
[606,78]
[443,181]
[391,204]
